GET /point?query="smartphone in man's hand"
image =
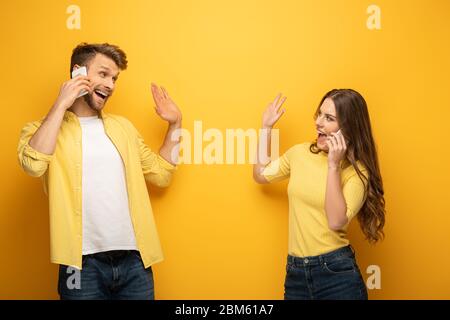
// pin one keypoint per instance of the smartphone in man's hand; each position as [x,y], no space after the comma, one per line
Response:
[82,71]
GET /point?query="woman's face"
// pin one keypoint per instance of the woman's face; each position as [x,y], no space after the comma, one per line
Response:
[326,123]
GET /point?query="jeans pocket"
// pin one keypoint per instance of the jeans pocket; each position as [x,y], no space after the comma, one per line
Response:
[69,280]
[60,279]
[346,265]
[289,267]
[149,270]
[136,253]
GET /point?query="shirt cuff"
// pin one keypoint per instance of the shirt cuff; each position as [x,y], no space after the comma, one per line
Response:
[36,155]
[271,170]
[166,164]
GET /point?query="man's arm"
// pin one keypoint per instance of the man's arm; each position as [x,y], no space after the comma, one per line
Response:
[44,139]
[169,149]
[168,111]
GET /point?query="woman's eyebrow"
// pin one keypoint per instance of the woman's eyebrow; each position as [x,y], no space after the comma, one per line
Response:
[327,114]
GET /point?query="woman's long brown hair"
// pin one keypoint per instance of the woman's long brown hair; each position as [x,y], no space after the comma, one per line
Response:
[354,122]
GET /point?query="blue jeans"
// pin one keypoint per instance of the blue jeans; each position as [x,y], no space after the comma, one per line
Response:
[118,274]
[332,276]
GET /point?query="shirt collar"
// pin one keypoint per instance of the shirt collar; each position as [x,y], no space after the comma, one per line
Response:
[70,116]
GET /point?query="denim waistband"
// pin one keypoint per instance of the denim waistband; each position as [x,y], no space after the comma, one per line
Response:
[344,252]
[114,254]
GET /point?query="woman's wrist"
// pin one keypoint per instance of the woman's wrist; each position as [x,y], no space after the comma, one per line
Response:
[334,167]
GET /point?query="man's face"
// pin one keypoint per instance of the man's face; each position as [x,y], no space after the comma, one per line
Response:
[103,73]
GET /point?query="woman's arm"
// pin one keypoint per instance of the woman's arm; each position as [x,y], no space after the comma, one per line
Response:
[335,205]
[270,117]
[263,156]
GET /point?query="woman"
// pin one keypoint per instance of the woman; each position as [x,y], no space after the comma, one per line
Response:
[332,180]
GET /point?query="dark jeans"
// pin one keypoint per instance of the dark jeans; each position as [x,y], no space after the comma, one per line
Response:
[112,275]
[334,275]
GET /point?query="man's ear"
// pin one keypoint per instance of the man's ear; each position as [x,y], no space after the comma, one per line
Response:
[75,67]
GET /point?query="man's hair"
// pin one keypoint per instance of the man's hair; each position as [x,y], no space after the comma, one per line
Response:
[84,52]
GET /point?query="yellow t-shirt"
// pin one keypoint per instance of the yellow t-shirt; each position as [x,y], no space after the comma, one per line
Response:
[309,234]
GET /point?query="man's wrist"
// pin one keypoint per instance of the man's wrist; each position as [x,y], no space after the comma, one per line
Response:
[56,110]
[176,124]
[59,107]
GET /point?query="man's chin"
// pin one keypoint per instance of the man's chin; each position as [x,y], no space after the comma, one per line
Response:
[96,106]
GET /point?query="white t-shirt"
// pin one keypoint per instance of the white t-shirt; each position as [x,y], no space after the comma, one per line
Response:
[106,216]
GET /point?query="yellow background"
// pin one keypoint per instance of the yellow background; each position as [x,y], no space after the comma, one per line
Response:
[223,235]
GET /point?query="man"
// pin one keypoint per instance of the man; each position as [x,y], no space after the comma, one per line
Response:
[94,166]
